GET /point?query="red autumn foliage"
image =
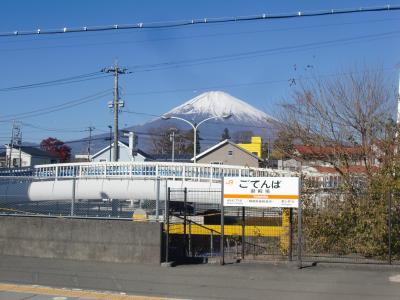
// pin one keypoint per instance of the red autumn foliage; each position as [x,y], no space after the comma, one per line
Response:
[57,148]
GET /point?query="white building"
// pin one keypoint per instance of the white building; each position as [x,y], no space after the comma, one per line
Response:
[26,156]
[125,153]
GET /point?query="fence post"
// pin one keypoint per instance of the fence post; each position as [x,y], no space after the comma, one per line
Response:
[222,254]
[243,228]
[184,220]
[190,238]
[73,196]
[167,224]
[290,250]
[390,228]
[299,229]
[211,243]
[158,199]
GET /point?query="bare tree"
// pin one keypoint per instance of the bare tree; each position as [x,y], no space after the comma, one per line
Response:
[346,116]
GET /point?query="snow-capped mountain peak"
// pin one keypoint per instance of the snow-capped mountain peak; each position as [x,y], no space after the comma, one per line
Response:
[218,103]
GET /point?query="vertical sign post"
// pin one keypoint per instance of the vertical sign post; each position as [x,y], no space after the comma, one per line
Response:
[222,249]
[167,225]
[299,230]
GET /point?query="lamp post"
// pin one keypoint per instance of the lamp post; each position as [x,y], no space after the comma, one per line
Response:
[110,127]
[195,126]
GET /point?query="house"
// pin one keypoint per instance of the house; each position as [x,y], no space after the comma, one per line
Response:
[125,153]
[229,153]
[26,156]
[255,146]
[3,160]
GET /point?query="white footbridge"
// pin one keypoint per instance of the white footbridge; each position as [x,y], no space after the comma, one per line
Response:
[121,180]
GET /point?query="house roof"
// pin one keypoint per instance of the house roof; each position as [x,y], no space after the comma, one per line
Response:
[3,154]
[120,143]
[328,150]
[34,151]
[352,169]
[223,143]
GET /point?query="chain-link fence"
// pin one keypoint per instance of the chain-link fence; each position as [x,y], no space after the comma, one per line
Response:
[336,226]
[14,200]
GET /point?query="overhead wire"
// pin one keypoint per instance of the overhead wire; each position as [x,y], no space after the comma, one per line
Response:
[61,81]
[55,108]
[204,21]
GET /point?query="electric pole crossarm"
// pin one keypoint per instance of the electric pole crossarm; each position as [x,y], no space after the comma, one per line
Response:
[116,104]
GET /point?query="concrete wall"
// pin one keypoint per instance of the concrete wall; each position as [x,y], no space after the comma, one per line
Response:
[81,239]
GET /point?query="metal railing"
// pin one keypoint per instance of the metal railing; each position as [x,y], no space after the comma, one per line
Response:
[179,171]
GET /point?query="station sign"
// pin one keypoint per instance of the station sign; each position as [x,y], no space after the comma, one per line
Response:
[261,191]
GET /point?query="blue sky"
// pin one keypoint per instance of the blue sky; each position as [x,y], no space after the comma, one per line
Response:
[262,81]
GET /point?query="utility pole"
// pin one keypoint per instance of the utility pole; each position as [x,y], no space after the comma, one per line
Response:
[90,129]
[116,103]
[16,139]
[172,139]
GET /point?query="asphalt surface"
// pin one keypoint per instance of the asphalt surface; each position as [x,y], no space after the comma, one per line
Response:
[232,281]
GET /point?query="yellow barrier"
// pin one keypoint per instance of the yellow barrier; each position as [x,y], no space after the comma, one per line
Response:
[281,232]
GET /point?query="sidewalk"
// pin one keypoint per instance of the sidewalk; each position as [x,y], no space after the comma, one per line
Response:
[235,281]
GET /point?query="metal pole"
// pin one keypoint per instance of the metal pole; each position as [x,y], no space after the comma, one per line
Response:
[73,196]
[290,250]
[173,146]
[243,229]
[116,108]
[194,143]
[222,248]
[390,227]
[167,225]
[184,219]
[109,126]
[299,229]
[158,199]
[190,238]
[211,243]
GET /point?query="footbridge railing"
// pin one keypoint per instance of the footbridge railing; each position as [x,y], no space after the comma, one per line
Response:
[175,171]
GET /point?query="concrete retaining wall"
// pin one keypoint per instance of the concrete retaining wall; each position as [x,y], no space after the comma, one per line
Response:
[81,239]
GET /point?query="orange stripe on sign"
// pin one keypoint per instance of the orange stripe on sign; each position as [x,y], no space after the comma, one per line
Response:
[260,196]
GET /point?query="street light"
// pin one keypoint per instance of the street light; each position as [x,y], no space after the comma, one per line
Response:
[195,126]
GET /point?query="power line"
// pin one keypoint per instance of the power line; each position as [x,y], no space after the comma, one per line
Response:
[55,108]
[257,53]
[174,24]
[236,33]
[61,81]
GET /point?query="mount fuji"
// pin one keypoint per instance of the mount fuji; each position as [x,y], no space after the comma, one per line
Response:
[244,118]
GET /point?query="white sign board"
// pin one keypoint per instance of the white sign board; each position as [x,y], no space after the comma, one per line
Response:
[261,191]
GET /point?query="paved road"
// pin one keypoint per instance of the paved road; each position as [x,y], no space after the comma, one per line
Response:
[235,281]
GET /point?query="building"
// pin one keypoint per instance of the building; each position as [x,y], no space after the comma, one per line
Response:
[255,146]
[26,156]
[125,153]
[229,153]
[3,159]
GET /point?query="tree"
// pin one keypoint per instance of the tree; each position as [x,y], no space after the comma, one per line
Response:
[347,115]
[225,135]
[57,148]
[340,119]
[243,136]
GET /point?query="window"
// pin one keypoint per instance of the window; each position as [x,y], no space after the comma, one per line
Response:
[230,152]
[216,163]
